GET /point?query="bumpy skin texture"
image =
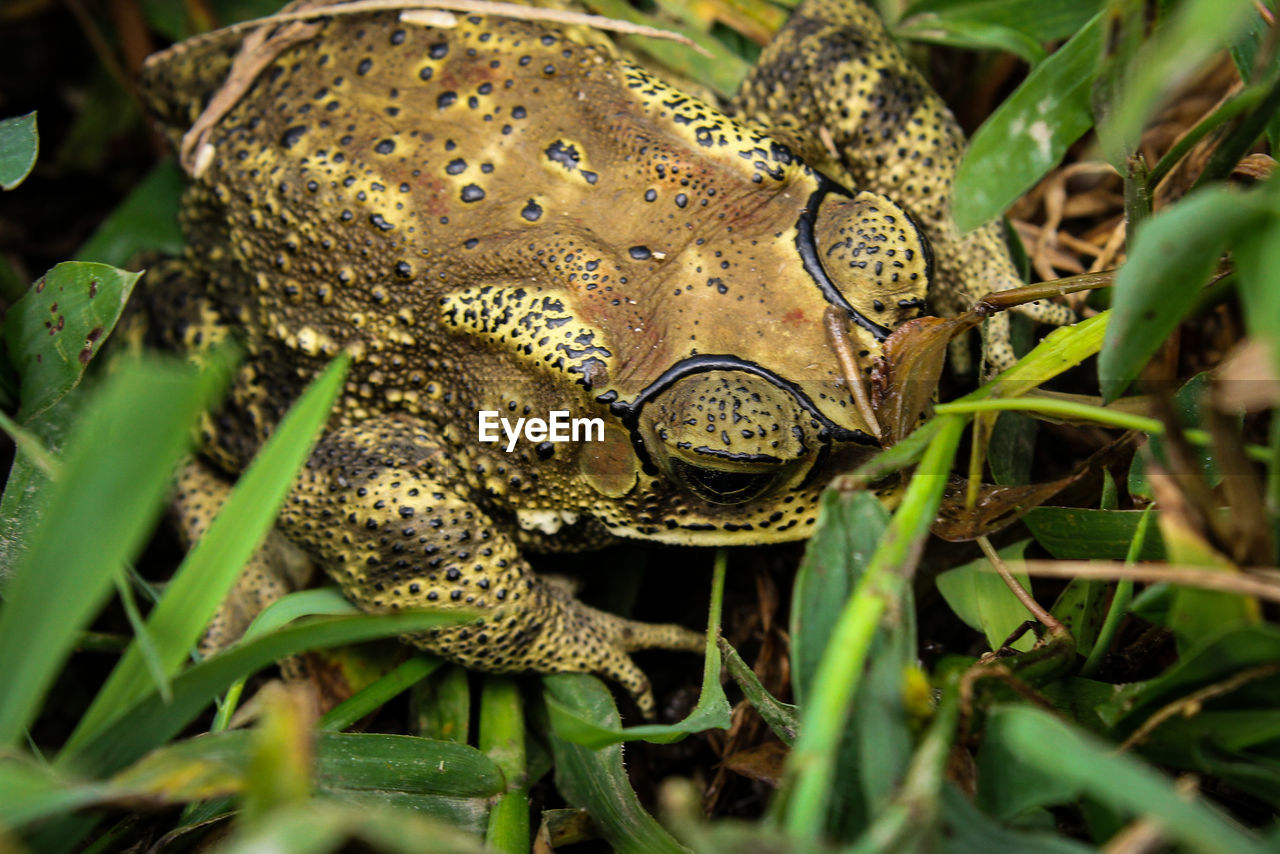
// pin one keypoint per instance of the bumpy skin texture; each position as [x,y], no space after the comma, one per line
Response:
[494,217]
[835,72]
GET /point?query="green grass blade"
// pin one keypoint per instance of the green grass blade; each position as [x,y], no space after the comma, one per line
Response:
[811,766]
[502,739]
[595,780]
[116,471]
[373,696]
[1042,741]
[211,568]
[146,220]
[1194,31]
[152,722]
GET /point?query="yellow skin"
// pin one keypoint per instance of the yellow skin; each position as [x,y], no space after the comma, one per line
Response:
[494,217]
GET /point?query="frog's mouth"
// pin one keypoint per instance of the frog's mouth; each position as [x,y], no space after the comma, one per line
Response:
[669,423]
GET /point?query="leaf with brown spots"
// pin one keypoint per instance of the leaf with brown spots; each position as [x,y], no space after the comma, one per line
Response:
[998,507]
[55,330]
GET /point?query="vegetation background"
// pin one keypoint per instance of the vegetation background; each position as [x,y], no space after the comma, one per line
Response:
[897,694]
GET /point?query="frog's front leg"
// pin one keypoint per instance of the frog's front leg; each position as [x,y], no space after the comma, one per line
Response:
[834,84]
[393,520]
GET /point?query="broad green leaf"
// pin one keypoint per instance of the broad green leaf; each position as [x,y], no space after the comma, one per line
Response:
[980,598]
[1191,34]
[849,527]
[1168,265]
[213,564]
[26,491]
[1076,533]
[115,473]
[969,831]
[152,721]
[595,780]
[1039,20]
[1028,134]
[19,147]
[404,763]
[56,329]
[1012,449]
[146,220]
[971,35]
[1051,746]
[1082,608]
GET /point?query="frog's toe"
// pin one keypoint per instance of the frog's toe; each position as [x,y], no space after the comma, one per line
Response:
[1044,311]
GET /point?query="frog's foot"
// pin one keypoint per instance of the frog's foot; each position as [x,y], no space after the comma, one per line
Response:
[1044,311]
[399,524]
[277,568]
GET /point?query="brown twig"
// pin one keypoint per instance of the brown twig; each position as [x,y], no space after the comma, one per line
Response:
[1251,583]
[1192,703]
[838,337]
[1028,601]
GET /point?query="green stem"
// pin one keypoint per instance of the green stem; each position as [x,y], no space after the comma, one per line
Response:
[374,695]
[502,738]
[811,766]
[1088,412]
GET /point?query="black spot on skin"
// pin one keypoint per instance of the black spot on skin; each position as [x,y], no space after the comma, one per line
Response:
[532,211]
[650,195]
[398,38]
[640,253]
[446,99]
[290,137]
[471,243]
[518,112]
[380,223]
[404,271]
[426,72]
[438,50]
[364,66]
[386,146]
[472,193]
[545,450]
[563,153]
[456,167]
[681,200]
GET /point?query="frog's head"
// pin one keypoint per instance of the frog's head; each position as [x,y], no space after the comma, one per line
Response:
[753,412]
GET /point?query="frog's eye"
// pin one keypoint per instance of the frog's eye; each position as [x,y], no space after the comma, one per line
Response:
[718,486]
[727,437]
[874,255]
